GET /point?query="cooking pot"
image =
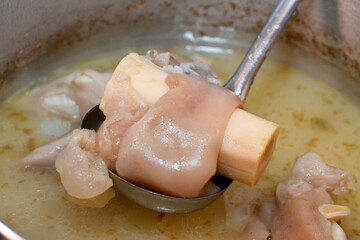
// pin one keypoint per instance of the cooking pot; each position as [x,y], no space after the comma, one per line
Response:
[38,36]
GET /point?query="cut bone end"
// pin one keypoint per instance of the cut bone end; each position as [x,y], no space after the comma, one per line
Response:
[248,144]
[146,78]
[334,212]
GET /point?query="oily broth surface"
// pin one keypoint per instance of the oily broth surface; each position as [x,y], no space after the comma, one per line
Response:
[312,116]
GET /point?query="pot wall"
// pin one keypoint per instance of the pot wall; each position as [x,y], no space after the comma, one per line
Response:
[32,29]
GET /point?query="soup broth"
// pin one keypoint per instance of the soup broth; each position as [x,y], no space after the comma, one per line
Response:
[313,117]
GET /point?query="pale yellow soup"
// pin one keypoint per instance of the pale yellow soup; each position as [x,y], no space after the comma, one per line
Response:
[313,117]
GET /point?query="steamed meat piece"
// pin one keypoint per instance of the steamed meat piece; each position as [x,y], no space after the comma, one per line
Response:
[122,107]
[174,148]
[310,184]
[70,97]
[44,156]
[173,63]
[199,70]
[83,173]
[312,169]
[298,217]
[165,58]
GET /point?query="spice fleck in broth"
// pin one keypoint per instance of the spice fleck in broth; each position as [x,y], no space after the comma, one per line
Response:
[313,117]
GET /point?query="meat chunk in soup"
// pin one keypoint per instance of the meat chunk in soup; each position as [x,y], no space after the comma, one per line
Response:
[173,63]
[174,148]
[44,156]
[296,214]
[70,97]
[83,173]
[311,183]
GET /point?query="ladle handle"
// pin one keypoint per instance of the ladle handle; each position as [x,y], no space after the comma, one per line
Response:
[244,76]
[8,233]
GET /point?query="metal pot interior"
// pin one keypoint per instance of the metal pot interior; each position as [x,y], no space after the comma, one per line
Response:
[37,37]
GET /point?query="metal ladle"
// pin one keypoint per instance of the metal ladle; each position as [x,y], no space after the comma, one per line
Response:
[240,84]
